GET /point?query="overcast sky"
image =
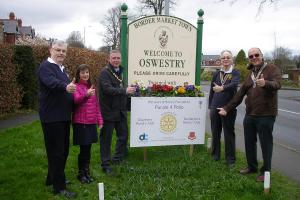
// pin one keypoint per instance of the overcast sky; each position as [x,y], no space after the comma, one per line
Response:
[226,26]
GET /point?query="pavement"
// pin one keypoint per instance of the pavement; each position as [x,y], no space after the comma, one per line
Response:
[18,120]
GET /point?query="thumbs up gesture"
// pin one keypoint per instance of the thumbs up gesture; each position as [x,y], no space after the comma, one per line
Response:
[71,87]
[261,81]
[218,88]
[91,91]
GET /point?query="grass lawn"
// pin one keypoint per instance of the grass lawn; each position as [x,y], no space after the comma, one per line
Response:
[168,174]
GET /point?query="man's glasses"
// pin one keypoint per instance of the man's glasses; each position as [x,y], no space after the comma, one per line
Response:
[255,55]
[60,50]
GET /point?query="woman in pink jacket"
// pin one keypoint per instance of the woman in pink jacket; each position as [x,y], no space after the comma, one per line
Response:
[85,118]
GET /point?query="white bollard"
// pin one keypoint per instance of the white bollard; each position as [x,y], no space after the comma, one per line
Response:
[267,180]
[101,191]
[208,145]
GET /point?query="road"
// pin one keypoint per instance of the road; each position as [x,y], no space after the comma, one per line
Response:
[286,133]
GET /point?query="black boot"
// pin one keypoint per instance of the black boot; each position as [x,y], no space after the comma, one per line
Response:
[81,172]
[87,171]
[81,177]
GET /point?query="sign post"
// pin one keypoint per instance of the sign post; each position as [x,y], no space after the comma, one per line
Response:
[199,46]
[124,42]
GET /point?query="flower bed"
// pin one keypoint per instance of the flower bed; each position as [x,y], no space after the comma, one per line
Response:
[157,90]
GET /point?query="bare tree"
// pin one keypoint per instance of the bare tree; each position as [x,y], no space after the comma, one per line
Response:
[154,6]
[75,40]
[112,24]
[296,60]
[261,4]
[282,57]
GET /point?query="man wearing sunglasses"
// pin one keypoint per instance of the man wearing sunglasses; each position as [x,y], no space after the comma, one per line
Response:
[261,87]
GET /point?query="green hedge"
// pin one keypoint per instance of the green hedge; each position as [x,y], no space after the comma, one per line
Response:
[24,59]
[18,65]
[10,91]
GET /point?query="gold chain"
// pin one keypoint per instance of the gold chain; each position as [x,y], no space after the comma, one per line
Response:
[223,77]
[115,75]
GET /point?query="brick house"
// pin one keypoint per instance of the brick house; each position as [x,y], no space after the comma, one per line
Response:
[211,62]
[11,29]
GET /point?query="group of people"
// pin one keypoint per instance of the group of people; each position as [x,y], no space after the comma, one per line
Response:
[62,101]
[260,88]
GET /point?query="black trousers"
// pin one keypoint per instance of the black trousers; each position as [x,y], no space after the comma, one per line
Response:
[263,126]
[56,136]
[106,139]
[227,123]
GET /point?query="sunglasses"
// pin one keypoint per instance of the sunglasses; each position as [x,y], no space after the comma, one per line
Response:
[255,55]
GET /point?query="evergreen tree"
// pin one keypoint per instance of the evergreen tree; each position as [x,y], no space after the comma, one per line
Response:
[241,64]
[24,59]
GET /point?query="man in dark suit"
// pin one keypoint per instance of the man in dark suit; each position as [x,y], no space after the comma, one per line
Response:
[113,99]
[55,107]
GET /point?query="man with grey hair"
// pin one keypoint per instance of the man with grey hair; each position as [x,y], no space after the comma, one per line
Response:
[261,87]
[55,107]
[113,100]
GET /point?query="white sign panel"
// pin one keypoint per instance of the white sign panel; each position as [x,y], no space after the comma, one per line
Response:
[161,50]
[161,121]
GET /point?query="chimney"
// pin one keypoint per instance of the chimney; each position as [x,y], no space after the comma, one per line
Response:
[19,23]
[11,16]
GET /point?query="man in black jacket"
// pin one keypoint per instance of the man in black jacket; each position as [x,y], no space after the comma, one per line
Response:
[55,107]
[113,99]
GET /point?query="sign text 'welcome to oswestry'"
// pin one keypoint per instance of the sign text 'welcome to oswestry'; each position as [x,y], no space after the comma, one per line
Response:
[162,49]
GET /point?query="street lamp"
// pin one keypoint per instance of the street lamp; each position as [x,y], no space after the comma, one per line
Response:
[84,33]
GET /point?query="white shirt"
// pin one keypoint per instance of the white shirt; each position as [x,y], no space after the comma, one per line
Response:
[227,71]
[50,60]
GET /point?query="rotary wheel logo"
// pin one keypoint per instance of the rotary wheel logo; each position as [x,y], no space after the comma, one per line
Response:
[168,123]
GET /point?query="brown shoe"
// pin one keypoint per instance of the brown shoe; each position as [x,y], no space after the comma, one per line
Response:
[247,171]
[260,178]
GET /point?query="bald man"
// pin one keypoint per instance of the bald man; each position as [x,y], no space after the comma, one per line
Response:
[261,87]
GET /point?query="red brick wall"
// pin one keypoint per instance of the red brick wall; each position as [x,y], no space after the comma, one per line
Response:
[9,38]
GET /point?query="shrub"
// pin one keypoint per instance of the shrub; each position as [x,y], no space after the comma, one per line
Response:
[95,60]
[10,92]
[23,58]
[241,63]
[206,76]
[243,71]
[40,53]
